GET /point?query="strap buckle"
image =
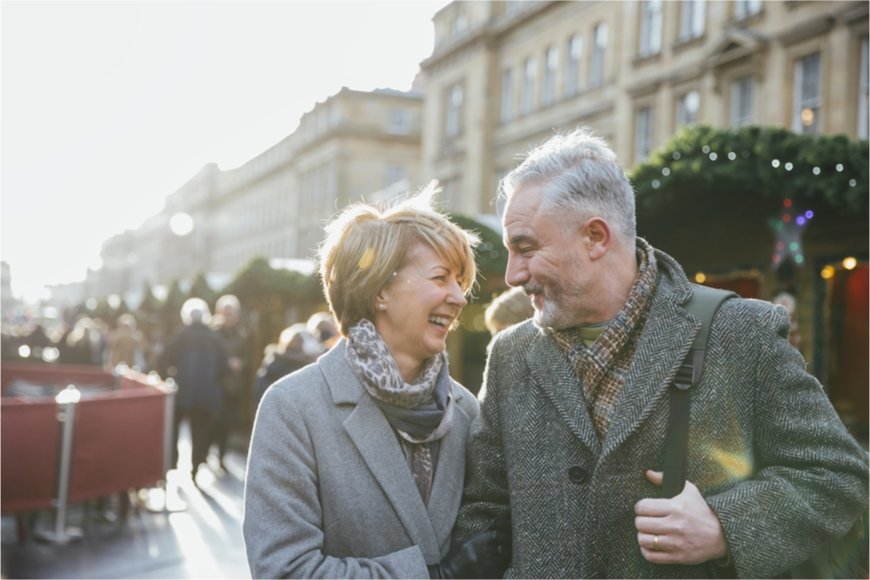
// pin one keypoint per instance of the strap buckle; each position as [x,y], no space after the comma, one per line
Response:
[685,377]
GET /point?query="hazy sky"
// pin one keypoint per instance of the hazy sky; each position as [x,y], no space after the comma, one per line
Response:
[107,107]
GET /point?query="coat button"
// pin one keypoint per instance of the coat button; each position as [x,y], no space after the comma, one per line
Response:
[577,474]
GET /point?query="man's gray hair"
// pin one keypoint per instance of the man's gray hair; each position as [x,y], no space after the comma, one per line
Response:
[581,175]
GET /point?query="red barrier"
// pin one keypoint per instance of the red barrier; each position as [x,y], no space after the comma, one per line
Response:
[29,454]
[117,443]
[117,439]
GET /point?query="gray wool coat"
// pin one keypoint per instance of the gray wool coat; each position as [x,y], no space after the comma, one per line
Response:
[329,493]
[767,450]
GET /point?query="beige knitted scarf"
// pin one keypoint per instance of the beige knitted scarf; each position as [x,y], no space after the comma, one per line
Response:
[601,367]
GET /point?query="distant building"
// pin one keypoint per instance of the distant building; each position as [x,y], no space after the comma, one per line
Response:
[353,145]
[7,300]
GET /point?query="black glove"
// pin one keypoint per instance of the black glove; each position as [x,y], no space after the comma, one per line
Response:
[486,554]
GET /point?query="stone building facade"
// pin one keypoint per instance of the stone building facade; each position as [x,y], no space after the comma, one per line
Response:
[504,75]
[354,145]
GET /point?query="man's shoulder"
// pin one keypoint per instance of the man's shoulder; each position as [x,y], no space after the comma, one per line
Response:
[516,341]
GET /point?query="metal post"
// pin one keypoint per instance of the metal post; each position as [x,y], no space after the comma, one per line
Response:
[67,399]
[170,500]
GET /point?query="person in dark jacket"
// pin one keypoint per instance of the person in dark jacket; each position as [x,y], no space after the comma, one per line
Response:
[236,382]
[195,358]
[296,348]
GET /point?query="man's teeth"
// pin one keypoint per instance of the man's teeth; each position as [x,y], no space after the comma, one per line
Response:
[439,320]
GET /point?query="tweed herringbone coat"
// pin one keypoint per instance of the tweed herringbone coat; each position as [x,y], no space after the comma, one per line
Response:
[767,450]
[329,493]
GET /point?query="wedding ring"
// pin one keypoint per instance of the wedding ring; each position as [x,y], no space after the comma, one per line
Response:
[655,542]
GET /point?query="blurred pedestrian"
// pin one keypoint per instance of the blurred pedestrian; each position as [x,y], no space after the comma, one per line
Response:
[126,344]
[84,344]
[236,382]
[508,308]
[195,358]
[322,326]
[356,462]
[296,347]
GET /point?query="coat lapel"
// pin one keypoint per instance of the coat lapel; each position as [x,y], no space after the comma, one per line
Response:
[374,439]
[449,474]
[552,372]
[661,348]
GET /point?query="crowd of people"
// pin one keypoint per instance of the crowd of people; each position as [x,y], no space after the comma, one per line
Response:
[211,357]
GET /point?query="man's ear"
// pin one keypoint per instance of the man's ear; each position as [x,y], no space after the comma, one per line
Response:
[596,236]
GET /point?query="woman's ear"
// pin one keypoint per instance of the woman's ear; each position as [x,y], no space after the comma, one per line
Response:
[596,236]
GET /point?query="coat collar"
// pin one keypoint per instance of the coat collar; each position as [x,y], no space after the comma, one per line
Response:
[376,442]
[661,348]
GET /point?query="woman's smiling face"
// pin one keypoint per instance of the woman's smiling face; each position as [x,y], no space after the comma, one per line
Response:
[415,310]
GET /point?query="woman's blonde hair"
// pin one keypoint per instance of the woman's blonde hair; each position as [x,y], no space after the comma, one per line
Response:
[366,245]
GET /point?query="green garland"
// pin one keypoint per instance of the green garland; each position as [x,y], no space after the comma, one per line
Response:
[730,167]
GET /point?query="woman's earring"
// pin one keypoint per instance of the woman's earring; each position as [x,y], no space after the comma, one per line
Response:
[382,306]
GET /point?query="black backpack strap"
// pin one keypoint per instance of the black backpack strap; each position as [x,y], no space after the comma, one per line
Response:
[703,305]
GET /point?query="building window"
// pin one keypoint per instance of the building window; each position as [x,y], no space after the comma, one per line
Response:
[399,122]
[530,70]
[459,23]
[596,67]
[807,94]
[507,94]
[551,65]
[746,8]
[650,27]
[688,106]
[643,128]
[394,173]
[863,93]
[453,119]
[572,68]
[741,101]
[692,19]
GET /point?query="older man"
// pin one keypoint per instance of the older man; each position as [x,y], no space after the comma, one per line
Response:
[575,404]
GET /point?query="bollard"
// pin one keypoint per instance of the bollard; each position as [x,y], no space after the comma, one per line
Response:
[170,501]
[67,400]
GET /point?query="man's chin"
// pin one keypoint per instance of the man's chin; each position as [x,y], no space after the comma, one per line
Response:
[544,319]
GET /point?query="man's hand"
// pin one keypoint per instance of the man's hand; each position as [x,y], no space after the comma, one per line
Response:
[680,530]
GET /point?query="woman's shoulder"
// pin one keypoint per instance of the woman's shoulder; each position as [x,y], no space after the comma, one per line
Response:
[465,398]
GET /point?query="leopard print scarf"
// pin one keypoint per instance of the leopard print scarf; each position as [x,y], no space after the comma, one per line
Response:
[421,413]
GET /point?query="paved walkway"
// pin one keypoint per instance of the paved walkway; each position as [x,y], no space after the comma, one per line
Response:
[199,536]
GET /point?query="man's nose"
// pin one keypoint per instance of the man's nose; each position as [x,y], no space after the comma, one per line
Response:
[515,273]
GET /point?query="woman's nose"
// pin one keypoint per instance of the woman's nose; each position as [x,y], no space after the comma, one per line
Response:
[456,295]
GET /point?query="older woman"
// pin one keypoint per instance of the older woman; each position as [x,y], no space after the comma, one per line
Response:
[357,462]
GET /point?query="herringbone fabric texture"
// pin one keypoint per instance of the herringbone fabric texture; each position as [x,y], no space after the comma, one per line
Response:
[601,367]
[767,449]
